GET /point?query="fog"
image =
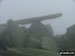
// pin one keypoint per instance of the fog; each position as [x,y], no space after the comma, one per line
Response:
[20,9]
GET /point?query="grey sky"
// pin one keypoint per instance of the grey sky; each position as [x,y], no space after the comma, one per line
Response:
[20,9]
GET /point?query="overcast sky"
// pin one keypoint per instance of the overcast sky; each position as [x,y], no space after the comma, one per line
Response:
[19,9]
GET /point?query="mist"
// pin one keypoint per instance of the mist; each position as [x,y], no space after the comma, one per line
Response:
[23,9]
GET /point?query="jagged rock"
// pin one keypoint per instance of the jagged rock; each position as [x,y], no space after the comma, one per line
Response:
[16,34]
[71,32]
[50,30]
